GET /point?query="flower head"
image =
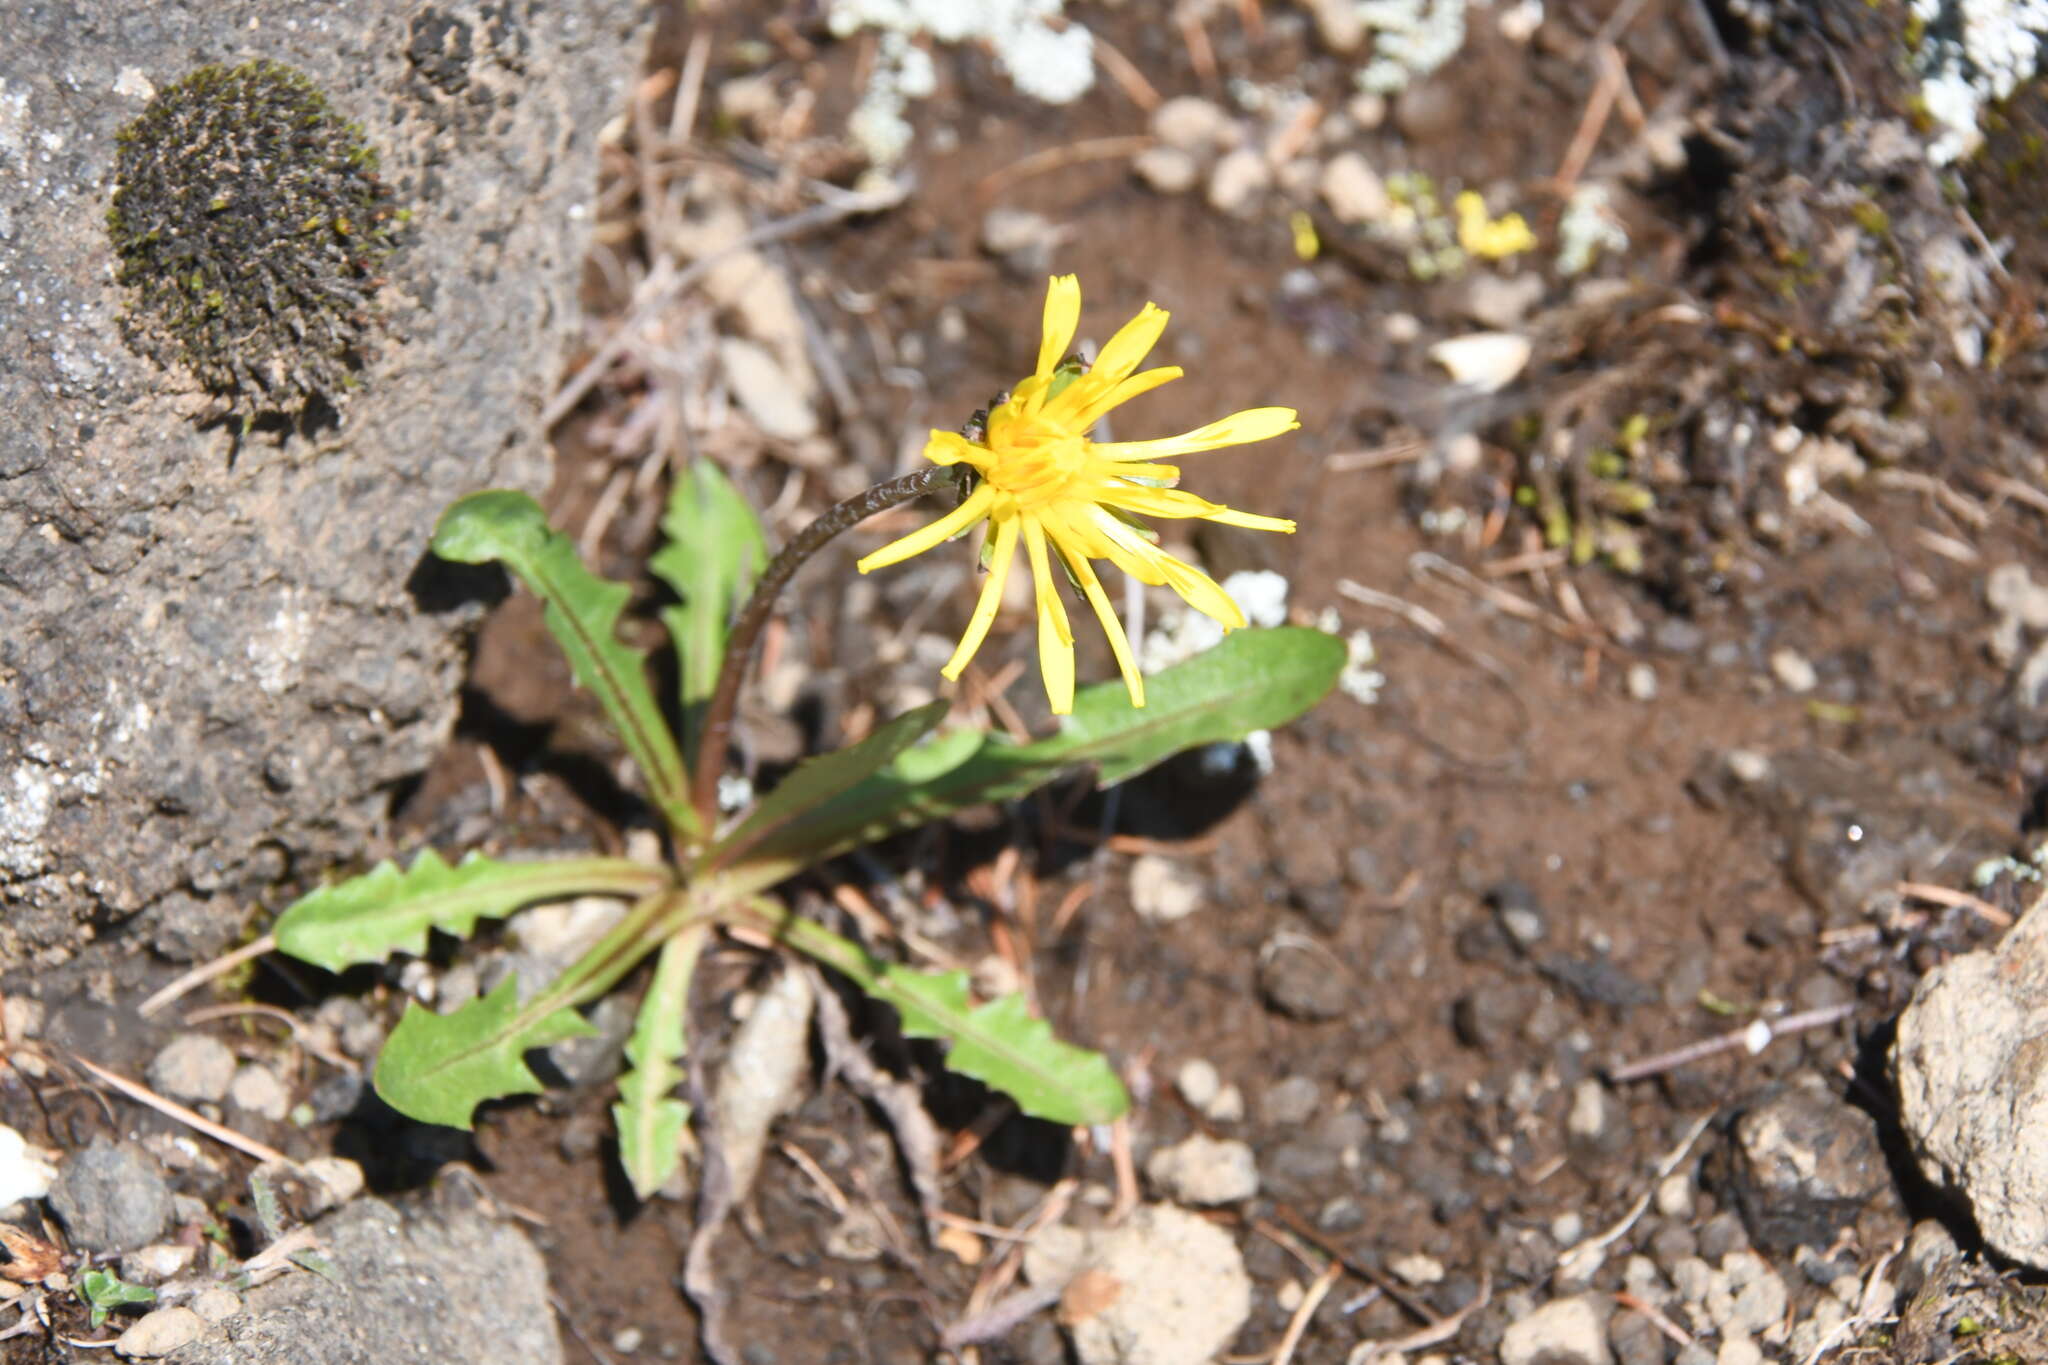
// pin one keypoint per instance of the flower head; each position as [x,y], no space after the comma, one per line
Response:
[1044,482]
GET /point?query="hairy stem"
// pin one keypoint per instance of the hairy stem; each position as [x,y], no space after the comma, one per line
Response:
[753,617]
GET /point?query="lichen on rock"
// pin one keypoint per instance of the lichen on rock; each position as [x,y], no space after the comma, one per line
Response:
[250,225]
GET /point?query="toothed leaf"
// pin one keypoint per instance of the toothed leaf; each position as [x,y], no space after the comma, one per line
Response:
[650,1118]
[438,1068]
[583,615]
[714,551]
[386,910]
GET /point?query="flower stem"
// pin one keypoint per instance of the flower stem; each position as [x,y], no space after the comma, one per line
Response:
[753,616]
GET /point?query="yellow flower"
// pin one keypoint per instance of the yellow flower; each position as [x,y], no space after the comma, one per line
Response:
[1043,481]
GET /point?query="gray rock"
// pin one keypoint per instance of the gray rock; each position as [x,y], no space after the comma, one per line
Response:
[1569,1331]
[1303,982]
[110,1198]
[428,1284]
[1167,1287]
[1290,1103]
[1597,1123]
[216,640]
[160,1333]
[596,1058]
[1635,1339]
[1803,1164]
[195,1067]
[1971,1062]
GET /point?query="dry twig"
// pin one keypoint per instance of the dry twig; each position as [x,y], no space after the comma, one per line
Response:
[198,1123]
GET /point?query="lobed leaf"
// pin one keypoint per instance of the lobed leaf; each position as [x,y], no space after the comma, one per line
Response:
[438,1067]
[582,613]
[715,550]
[650,1119]
[385,911]
[999,1043]
[1253,680]
[819,780]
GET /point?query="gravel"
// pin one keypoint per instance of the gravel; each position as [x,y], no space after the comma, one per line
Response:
[1570,1331]
[1167,1287]
[1205,1170]
[160,1333]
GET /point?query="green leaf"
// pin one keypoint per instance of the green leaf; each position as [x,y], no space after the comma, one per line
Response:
[105,1291]
[385,911]
[438,1067]
[715,550]
[817,781]
[1253,680]
[649,1117]
[998,1043]
[583,615]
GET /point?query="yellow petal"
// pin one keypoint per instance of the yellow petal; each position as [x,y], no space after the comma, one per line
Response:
[1055,636]
[1202,593]
[1172,502]
[936,533]
[1251,521]
[1088,413]
[950,447]
[1062,318]
[1119,643]
[1107,538]
[1132,342]
[1253,424]
[991,599]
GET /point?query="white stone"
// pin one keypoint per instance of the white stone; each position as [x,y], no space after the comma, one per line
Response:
[1793,671]
[1642,682]
[24,1172]
[1739,1350]
[1164,889]
[1198,1082]
[217,1304]
[1339,24]
[1501,301]
[1237,180]
[774,401]
[160,1333]
[1569,1331]
[1354,190]
[341,1178]
[1168,170]
[1417,1269]
[158,1262]
[1674,1196]
[1486,361]
[558,934]
[1178,1288]
[1205,1170]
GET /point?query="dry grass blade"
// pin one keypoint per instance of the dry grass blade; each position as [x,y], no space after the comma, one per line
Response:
[198,1123]
[1959,900]
[205,972]
[1059,158]
[1310,1302]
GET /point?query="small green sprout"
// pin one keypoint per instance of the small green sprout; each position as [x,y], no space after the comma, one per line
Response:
[104,1291]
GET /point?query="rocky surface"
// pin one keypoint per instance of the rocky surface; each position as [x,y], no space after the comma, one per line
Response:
[221,648]
[1971,1064]
[109,1197]
[1165,1288]
[426,1284]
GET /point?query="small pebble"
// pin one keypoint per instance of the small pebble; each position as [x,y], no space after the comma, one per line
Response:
[1205,1170]
[1164,889]
[195,1067]
[1194,125]
[1168,170]
[1290,1103]
[1198,1082]
[1674,1196]
[1353,190]
[160,1333]
[1238,179]
[257,1090]
[627,1340]
[1417,1270]
[1793,672]
[1739,1350]
[1642,682]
